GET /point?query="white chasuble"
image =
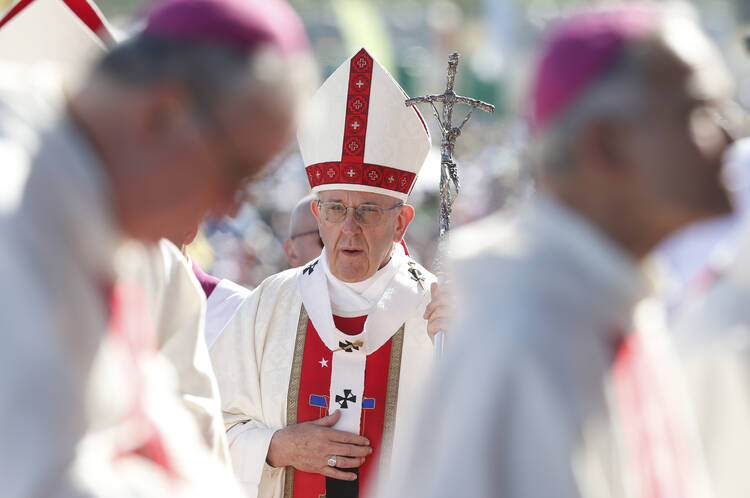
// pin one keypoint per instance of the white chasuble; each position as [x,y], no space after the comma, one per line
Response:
[269,379]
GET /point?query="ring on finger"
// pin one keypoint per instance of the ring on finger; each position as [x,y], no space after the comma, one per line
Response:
[332,461]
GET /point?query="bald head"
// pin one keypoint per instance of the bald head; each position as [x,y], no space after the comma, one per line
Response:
[303,242]
[301,218]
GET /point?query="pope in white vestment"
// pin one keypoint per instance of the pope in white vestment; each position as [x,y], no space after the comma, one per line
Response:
[345,334]
[257,358]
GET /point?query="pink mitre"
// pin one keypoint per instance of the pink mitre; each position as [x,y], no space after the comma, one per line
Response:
[580,48]
[244,24]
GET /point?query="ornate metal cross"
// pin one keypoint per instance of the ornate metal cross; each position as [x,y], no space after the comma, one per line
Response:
[448,167]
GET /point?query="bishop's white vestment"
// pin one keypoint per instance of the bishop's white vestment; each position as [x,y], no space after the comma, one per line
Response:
[713,338]
[545,390]
[177,306]
[89,407]
[284,359]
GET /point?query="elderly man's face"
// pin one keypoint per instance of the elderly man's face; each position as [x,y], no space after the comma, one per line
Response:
[355,250]
[246,138]
[206,161]
[678,145]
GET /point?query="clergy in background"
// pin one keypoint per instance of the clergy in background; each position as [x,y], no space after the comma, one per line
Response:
[303,243]
[320,367]
[560,381]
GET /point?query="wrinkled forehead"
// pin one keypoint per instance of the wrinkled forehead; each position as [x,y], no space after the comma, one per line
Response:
[706,75]
[355,197]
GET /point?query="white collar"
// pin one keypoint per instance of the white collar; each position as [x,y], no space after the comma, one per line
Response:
[358,298]
[395,295]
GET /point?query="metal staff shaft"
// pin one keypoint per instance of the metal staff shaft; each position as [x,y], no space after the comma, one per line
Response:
[448,167]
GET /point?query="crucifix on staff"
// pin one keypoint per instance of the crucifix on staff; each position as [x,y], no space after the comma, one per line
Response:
[448,166]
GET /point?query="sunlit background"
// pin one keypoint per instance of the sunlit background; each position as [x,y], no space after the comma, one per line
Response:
[413,40]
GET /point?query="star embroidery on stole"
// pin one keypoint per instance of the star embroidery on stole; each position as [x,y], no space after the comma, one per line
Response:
[323,362]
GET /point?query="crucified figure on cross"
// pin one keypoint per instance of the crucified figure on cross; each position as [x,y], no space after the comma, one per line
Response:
[448,167]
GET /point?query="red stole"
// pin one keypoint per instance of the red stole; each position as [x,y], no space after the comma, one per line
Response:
[313,401]
[131,330]
[653,432]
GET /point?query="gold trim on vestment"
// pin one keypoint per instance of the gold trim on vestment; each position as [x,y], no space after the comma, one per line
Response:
[292,397]
[391,399]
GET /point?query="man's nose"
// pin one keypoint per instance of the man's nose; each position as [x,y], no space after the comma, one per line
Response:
[350,223]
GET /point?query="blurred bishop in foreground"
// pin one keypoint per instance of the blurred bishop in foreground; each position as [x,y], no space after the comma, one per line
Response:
[558,382]
[165,127]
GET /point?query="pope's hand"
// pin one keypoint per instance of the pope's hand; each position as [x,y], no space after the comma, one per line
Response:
[438,313]
[309,445]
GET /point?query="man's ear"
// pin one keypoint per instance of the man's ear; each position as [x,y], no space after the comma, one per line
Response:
[291,256]
[600,147]
[405,216]
[191,233]
[163,110]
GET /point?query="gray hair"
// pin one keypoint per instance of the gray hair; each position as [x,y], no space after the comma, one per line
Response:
[212,73]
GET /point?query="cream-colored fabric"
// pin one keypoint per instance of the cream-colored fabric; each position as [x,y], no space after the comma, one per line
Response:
[67,42]
[176,391]
[523,404]
[57,241]
[252,359]
[713,339]
[177,305]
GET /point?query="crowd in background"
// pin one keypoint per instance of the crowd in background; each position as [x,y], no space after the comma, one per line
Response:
[414,39]
[619,185]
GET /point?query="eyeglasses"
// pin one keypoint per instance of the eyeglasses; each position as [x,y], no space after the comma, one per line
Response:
[309,232]
[364,214]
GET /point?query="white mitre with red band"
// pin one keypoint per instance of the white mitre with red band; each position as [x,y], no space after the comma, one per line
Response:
[359,135]
[65,32]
